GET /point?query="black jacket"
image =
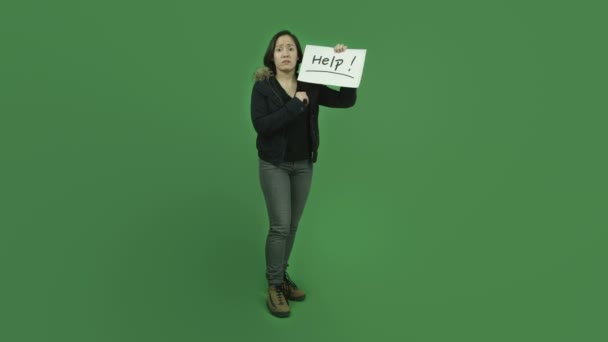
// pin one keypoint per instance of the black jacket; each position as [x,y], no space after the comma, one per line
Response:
[271,115]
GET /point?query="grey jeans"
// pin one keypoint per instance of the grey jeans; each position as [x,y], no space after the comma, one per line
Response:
[286,189]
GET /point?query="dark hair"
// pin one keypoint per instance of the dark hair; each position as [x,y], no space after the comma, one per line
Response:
[268,62]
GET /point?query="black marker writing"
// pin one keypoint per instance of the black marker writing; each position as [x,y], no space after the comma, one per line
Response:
[330,72]
[351,63]
[324,61]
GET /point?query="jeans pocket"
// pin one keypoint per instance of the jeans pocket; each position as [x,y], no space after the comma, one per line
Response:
[264,165]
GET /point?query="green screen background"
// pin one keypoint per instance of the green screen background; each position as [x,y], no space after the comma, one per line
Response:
[463,198]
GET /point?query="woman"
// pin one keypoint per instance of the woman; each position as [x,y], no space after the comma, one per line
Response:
[285,116]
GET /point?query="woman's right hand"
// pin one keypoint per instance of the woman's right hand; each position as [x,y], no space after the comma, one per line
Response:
[302,96]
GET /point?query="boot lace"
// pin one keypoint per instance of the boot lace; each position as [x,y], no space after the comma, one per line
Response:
[289,283]
[279,294]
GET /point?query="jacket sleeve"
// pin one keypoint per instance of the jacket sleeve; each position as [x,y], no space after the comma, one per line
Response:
[344,98]
[266,122]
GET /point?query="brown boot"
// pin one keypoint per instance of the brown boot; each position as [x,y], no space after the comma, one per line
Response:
[276,302]
[291,290]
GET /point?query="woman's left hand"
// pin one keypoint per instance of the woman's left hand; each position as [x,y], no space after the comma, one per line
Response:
[340,48]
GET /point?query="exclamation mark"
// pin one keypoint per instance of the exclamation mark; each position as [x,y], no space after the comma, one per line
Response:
[351,63]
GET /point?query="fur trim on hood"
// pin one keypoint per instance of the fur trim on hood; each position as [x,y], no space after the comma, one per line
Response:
[263,73]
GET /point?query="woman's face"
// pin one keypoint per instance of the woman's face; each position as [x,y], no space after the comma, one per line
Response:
[285,54]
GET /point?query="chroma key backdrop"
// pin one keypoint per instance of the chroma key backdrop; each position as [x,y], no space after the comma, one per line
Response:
[462,198]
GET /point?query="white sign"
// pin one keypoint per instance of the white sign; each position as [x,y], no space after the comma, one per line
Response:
[322,65]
